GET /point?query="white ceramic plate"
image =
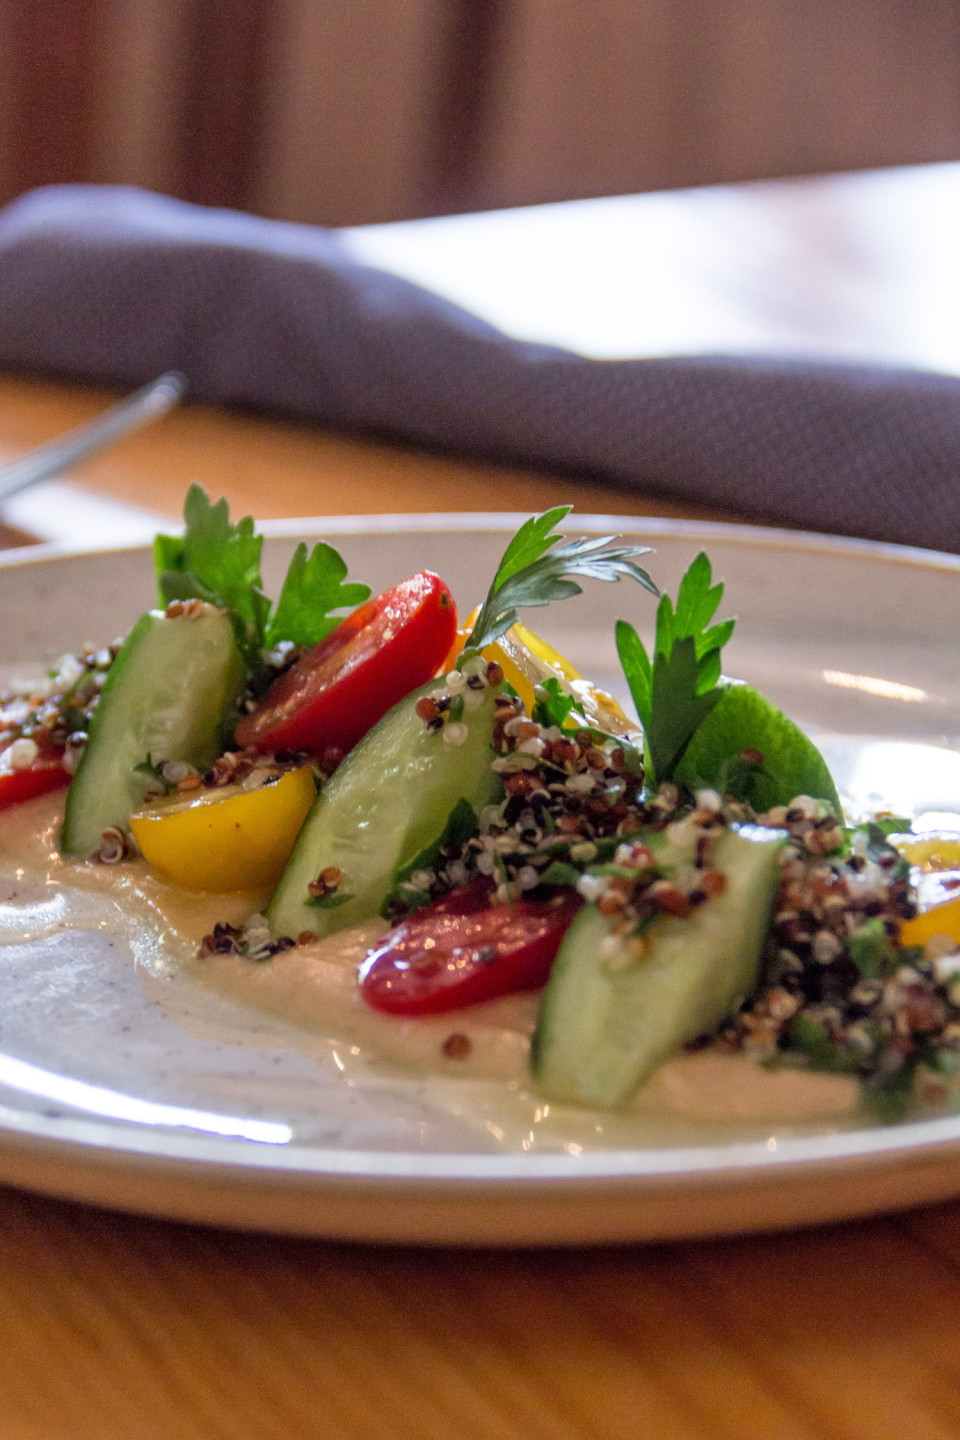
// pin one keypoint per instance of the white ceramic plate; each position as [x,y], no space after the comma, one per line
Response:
[110,1097]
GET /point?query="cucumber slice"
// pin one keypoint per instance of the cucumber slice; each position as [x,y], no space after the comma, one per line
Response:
[388,800]
[602,1029]
[170,693]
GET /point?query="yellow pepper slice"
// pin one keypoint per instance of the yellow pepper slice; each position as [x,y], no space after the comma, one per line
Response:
[942,919]
[226,839]
[527,660]
[931,852]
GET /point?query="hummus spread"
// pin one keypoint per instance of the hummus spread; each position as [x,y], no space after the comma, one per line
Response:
[474,1059]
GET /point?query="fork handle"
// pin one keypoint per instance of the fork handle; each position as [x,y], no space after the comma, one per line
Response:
[61,454]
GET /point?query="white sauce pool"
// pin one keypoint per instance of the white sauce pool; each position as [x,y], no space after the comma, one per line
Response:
[307,999]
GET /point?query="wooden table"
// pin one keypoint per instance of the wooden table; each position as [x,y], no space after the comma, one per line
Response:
[116,1327]
[272,469]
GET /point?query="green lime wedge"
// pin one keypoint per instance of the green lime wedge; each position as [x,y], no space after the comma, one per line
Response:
[743,720]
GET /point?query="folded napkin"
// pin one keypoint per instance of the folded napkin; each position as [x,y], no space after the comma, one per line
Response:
[116,285]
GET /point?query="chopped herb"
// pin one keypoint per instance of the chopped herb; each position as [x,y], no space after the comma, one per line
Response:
[873,952]
[812,1039]
[561,872]
[330,900]
[552,704]
[880,849]
[890,1094]
[890,824]
[153,771]
[645,923]
[461,825]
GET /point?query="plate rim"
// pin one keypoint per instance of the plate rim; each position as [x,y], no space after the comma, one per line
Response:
[503,521]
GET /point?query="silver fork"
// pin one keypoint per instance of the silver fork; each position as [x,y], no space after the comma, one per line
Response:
[59,455]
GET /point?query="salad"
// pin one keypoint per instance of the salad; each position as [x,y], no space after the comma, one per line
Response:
[471,821]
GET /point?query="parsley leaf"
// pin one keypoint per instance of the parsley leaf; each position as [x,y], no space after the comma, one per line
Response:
[675,691]
[531,541]
[537,568]
[312,589]
[676,709]
[219,562]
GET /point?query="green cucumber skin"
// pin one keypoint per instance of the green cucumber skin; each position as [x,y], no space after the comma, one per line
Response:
[171,693]
[388,800]
[601,1031]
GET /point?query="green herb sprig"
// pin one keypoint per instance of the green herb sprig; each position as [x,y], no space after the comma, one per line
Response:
[537,568]
[219,562]
[678,688]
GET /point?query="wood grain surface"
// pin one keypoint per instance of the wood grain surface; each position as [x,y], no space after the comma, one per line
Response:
[123,1328]
[119,1327]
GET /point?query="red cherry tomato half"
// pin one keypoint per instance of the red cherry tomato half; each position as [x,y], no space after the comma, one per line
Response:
[465,900]
[343,686]
[441,960]
[46,773]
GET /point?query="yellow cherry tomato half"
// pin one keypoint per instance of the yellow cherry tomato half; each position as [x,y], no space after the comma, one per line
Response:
[225,839]
[527,660]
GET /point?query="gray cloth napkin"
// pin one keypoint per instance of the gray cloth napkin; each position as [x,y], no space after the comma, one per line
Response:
[116,285]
